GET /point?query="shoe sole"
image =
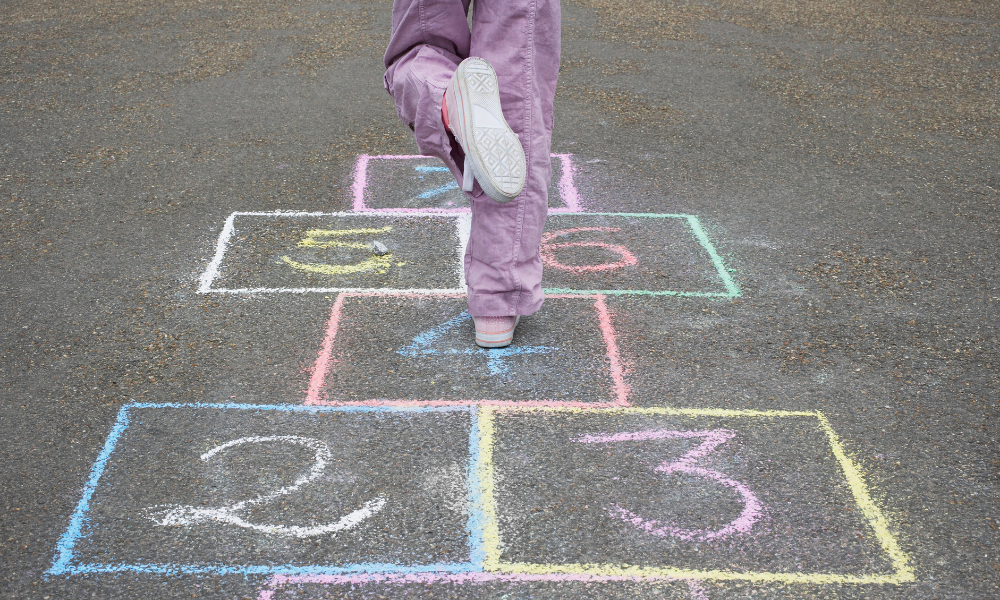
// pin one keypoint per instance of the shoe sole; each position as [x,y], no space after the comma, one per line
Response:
[492,148]
[496,340]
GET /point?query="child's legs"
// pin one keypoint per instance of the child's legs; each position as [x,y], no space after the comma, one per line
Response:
[503,268]
[429,39]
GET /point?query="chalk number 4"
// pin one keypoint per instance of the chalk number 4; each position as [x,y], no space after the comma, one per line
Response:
[427,345]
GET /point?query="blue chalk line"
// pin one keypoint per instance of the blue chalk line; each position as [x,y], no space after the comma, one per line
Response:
[439,190]
[64,547]
[421,346]
[477,520]
[181,569]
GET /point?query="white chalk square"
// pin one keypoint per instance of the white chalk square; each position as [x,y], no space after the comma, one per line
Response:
[330,252]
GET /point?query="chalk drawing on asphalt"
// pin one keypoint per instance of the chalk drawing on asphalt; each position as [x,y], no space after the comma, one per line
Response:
[426,345]
[230,514]
[687,464]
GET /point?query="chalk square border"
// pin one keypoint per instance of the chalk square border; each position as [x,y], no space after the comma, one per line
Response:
[463,225]
[567,186]
[699,234]
[64,562]
[899,560]
[324,363]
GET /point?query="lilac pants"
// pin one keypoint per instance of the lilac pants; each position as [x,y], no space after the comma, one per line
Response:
[520,38]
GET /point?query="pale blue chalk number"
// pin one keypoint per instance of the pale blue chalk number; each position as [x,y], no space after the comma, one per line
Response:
[438,190]
[427,345]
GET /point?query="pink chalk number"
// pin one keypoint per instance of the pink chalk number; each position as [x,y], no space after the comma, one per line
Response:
[548,250]
[712,438]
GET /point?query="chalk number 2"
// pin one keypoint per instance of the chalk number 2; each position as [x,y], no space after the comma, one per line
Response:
[230,513]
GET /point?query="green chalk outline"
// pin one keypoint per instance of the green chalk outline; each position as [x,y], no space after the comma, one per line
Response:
[732,290]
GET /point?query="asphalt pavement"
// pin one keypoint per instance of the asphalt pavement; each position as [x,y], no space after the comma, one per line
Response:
[236,362]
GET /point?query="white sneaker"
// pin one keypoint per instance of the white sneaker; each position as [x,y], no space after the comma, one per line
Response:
[493,153]
[495,332]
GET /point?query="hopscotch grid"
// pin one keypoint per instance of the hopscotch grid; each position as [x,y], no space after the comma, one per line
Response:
[484,540]
[463,226]
[63,561]
[324,364]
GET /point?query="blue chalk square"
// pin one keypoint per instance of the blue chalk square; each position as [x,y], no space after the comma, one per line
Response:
[237,488]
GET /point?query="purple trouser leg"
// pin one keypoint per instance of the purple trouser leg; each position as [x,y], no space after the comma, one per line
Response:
[520,38]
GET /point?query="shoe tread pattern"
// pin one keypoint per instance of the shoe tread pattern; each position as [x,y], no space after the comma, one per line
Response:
[499,150]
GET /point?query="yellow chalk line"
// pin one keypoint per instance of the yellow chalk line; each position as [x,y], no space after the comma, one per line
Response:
[491,534]
[378,264]
[487,493]
[660,410]
[662,573]
[310,240]
[900,560]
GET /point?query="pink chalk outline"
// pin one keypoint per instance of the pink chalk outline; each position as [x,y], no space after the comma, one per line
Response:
[548,249]
[713,438]
[325,361]
[567,187]
[277,582]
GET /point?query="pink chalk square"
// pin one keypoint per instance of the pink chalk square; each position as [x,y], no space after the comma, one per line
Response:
[409,183]
[668,492]
[408,349]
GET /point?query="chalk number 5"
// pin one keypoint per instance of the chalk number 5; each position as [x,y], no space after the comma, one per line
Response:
[335,238]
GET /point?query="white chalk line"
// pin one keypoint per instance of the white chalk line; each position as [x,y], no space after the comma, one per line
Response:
[372,291]
[464,224]
[172,515]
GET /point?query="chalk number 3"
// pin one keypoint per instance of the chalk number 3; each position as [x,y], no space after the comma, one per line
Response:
[712,438]
[230,513]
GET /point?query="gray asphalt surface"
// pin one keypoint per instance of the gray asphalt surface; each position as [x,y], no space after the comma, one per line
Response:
[840,157]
